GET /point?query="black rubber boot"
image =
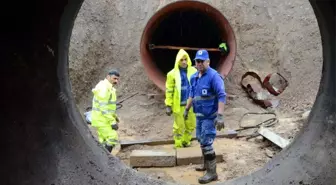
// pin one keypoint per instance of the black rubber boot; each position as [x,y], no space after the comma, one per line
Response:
[203,167]
[109,148]
[211,172]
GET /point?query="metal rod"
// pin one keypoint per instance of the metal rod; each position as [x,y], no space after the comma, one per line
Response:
[152,46]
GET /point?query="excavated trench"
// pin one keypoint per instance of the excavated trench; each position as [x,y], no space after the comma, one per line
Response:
[186,24]
[44,140]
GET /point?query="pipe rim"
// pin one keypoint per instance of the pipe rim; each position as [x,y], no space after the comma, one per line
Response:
[225,64]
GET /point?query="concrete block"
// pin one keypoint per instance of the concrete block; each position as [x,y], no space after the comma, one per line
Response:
[153,158]
[193,155]
[273,137]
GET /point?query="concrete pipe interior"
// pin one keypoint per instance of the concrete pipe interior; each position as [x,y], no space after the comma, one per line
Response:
[45,141]
[188,24]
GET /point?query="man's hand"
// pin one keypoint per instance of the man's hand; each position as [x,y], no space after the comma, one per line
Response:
[169,111]
[115,126]
[185,114]
[219,122]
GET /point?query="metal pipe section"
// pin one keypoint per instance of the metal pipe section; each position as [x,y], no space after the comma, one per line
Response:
[227,34]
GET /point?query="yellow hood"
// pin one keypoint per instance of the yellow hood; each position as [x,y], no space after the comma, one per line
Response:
[179,56]
[173,82]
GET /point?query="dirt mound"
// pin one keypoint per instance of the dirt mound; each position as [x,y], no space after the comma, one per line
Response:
[272,36]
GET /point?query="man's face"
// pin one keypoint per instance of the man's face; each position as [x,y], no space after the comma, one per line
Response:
[202,65]
[183,62]
[113,79]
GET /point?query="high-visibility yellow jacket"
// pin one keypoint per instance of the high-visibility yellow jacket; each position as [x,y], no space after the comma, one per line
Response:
[173,81]
[104,104]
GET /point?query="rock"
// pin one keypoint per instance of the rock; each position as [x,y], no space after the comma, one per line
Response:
[305,114]
[259,139]
[269,153]
[232,97]
[129,133]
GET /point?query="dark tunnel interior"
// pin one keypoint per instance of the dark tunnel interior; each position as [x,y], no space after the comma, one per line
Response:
[187,28]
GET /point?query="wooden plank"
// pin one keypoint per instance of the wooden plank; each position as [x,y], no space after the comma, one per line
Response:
[229,134]
[274,138]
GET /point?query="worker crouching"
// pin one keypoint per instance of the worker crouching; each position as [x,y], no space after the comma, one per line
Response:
[177,93]
[207,97]
[104,106]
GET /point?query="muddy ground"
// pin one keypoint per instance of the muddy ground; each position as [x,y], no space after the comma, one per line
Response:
[236,161]
[272,36]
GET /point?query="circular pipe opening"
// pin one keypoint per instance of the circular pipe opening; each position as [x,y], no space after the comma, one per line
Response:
[187,24]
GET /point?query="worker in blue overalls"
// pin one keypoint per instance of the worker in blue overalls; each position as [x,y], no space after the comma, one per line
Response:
[207,96]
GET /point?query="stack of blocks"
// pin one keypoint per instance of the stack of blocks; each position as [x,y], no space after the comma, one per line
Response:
[168,157]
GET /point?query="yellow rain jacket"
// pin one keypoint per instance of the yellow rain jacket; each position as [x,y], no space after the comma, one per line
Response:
[182,128]
[173,82]
[104,106]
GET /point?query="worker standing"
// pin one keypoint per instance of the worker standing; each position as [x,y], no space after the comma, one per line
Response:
[207,96]
[177,93]
[104,105]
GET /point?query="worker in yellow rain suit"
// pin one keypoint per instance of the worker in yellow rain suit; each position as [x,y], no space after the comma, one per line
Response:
[177,93]
[104,105]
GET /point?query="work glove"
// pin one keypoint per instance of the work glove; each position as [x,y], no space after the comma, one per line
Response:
[219,122]
[117,119]
[115,126]
[223,48]
[185,114]
[169,111]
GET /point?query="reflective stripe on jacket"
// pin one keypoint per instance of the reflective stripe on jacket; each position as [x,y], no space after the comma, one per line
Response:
[206,92]
[104,104]
[173,82]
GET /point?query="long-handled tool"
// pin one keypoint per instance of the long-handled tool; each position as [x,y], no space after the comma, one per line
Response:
[152,46]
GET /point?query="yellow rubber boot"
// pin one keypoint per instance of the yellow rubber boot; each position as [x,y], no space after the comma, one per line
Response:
[186,139]
[178,141]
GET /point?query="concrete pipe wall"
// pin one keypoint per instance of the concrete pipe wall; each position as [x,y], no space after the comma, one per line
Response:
[44,140]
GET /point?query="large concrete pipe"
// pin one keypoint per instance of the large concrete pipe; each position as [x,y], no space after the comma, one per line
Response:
[185,23]
[44,140]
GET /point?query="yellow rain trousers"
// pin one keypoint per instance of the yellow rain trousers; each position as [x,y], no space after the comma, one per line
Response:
[104,107]
[182,129]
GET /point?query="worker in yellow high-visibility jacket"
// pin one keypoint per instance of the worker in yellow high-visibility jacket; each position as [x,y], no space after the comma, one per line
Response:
[104,106]
[177,93]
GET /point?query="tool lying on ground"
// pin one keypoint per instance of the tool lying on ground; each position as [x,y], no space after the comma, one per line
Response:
[87,112]
[260,91]
[119,103]
[267,123]
[229,134]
